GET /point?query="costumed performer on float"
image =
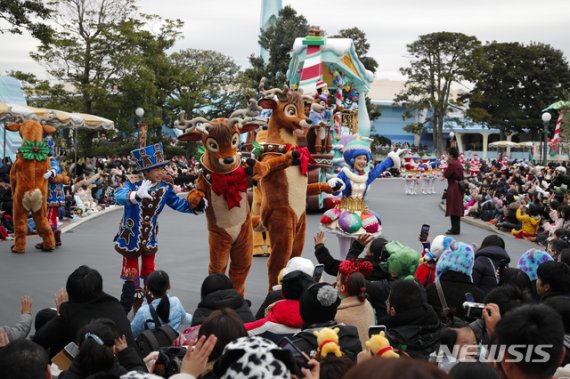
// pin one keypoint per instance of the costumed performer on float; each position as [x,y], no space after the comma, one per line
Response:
[351,217]
[143,197]
[55,196]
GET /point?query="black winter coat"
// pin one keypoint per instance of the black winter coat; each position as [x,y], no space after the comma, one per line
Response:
[127,360]
[455,285]
[416,331]
[331,264]
[487,261]
[63,329]
[228,298]
[348,339]
[271,298]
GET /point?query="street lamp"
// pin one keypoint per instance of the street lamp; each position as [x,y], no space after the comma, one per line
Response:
[545,120]
[141,126]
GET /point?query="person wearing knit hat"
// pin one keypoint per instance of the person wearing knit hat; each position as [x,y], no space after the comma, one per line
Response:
[530,261]
[319,304]
[352,218]
[453,272]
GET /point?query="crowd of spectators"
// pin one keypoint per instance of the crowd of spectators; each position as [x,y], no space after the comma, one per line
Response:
[529,201]
[93,182]
[456,299]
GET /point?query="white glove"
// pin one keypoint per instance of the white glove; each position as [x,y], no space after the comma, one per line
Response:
[142,191]
[401,151]
[336,184]
[50,173]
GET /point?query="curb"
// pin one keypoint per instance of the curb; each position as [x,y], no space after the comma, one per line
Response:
[73,225]
[479,224]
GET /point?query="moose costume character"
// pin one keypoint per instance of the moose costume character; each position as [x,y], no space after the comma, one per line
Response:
[29,184]
[55,197]
[284,189]
[143,197]
[223,182]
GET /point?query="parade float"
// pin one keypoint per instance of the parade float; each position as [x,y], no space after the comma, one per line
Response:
[335,83]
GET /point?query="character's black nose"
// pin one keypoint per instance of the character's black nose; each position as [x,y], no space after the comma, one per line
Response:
[228,160]
[308,121]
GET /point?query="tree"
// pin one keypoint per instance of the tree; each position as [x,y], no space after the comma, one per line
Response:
[207,83]
[20,15]
[278,40]
[437,61]
[361,45]
[516,82]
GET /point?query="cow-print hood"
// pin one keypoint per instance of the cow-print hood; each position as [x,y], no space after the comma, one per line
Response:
[254,357]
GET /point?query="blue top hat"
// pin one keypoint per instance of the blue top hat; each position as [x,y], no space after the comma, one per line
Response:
[149,157]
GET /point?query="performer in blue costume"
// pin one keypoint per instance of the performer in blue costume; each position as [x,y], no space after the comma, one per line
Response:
[351,217]
[144,196]
[55,195]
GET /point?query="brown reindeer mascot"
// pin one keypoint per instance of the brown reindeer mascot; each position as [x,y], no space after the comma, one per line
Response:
[29,184]
[223,182]
[284,188]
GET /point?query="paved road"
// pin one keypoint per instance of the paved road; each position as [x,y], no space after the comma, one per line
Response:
[184,251]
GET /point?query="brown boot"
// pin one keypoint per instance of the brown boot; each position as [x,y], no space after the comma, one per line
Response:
[40,246]
[57,236]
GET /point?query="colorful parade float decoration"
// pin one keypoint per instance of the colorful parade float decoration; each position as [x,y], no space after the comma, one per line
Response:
[334,82]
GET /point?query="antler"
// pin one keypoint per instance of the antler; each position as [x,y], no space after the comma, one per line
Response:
[240,116]
[189,125]
[270,92]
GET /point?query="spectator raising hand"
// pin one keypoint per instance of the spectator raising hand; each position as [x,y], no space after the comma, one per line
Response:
[197,355]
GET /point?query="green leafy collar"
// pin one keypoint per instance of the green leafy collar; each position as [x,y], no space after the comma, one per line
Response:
[34,150]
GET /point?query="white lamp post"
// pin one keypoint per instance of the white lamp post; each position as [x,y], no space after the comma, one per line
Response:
[545,120]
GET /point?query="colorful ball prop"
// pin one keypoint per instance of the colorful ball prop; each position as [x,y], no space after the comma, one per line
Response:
[349,222]
[330,216]
[370,223]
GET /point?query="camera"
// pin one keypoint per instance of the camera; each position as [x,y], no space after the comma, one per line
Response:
[473,310]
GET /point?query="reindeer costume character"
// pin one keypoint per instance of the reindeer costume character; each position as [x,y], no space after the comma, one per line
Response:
[28,182]
[143,197]
[284,189]
[223,182]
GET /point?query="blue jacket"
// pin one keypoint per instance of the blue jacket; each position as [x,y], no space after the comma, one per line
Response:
[177,316]
[372,176]
[137,233]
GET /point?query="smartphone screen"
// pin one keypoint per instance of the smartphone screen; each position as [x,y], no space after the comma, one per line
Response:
[72,349]
[424,231]
[301,358]
[376,329]
[318,272]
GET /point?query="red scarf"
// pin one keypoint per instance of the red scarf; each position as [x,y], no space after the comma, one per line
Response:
[326,342]
[382,351]
[306,158]
[230,185]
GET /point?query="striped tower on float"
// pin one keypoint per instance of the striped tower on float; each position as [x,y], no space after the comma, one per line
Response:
[312,71]
[562,107]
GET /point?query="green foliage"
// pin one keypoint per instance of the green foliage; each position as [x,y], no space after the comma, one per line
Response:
[278,40]
[21,15]
[361,45]
[437,61]
[207,83]
[415,128]
[374,110]
[516,82]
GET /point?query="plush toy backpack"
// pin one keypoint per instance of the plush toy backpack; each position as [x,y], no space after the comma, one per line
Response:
[380,347]
[327,339]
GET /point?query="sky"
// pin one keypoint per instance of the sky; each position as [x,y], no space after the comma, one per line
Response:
[232,26]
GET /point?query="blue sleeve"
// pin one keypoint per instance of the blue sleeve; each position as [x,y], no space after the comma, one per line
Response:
[176,203]
[379,169]
[137,325]
[342,176]
[122,194]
